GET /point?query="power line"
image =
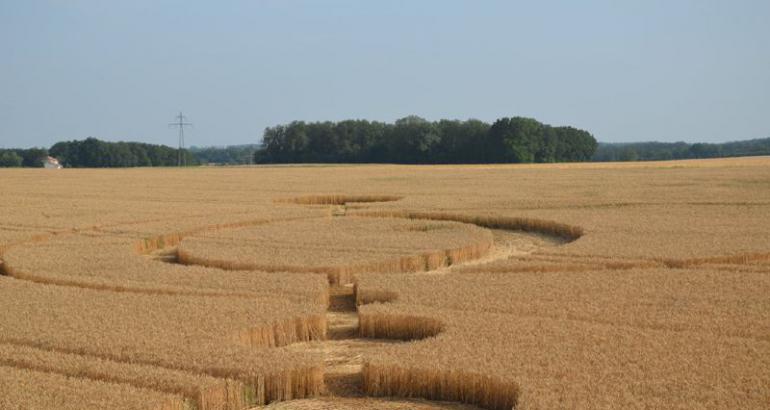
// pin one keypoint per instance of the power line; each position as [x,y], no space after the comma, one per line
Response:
[180,157]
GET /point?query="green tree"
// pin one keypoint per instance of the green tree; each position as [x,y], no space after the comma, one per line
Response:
[573,144]
[412,139]
[33,157]
[323,142]
[10,159]
[67,153]
[274,140]
[515,139]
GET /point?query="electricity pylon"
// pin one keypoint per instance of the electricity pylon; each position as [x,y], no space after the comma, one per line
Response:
[181,160]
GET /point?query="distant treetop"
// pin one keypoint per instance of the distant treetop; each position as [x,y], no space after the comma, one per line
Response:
[94,153]
[657,151]
[414,140]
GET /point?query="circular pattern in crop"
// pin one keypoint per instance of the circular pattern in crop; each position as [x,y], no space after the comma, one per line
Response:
[339,247]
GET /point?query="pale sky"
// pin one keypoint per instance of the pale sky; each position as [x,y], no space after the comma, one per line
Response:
[625,71]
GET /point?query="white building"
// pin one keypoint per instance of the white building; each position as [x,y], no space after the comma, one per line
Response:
[51,163]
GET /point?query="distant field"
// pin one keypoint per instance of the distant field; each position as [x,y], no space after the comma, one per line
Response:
[611,285]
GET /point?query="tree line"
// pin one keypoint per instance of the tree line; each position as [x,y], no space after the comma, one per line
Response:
[408,140]
[30,158]
[414,140]
[94,153]
[658,151]
[228,155]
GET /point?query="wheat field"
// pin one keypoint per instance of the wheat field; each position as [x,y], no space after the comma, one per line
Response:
[612,285]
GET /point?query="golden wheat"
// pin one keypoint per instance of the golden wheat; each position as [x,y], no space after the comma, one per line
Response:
[657,295]
[178,332]
[543,362]
[493,222]
[32,390]
[339,247]
[70,260]
[198,390]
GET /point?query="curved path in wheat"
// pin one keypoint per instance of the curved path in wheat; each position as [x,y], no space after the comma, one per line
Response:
[345,349]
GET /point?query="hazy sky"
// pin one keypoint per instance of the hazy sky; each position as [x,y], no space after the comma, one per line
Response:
[623,70]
